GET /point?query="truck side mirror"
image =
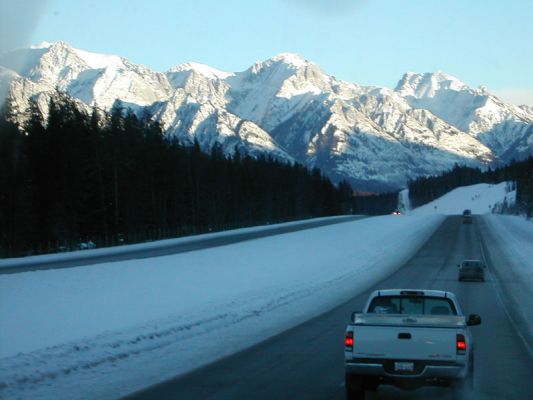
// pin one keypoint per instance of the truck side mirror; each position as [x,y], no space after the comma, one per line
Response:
[473,319]
[353,315]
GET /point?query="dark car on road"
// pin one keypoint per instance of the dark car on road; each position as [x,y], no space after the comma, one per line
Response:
[472,270]
[467,217]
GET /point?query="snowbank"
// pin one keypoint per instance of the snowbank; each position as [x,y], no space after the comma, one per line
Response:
[104,330]
[515,238]
[159,244]
[480,198]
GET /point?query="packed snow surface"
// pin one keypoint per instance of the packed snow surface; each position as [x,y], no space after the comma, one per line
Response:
[480,199]
[515,235]
[126,325]
[109,251]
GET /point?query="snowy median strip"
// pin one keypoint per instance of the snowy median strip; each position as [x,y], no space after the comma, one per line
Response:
[159,244]
[98,333]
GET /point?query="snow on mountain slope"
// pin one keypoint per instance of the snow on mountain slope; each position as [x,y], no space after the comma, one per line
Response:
[210,125]
[270,92]
[205,70]
[505,128]
[7,76]
[189,99]
[95,79]
[373,137]
[366,135]
[287,107]
[428,85]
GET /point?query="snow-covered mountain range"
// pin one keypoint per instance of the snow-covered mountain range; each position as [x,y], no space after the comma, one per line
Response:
[287,107]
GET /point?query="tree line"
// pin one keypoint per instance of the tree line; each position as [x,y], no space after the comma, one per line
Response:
[112,177]
[375,203]
[425,189]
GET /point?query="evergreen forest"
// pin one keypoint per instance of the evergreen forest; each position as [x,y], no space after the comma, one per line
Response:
[112,177]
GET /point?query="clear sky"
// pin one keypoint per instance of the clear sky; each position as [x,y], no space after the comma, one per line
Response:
[371,42]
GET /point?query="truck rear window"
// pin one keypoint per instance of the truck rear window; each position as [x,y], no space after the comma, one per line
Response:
[412,305]
[472,264]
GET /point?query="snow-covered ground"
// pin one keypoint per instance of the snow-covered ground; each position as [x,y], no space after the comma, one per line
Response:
[159,244]
[105,330]
[101,331]
[480,198]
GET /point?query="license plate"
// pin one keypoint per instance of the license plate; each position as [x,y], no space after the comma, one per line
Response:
[404,366]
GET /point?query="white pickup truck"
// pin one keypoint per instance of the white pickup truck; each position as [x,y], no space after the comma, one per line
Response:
[409,338]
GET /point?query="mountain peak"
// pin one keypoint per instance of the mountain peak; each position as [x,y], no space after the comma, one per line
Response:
[55,46]
[292,59]
[427,84]
[23,61]
[443,76]
[41,45]
[202,69]
[274,70]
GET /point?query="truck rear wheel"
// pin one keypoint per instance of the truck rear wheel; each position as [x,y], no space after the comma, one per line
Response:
[470,378]
[463,388]
[354,388]
[355,394]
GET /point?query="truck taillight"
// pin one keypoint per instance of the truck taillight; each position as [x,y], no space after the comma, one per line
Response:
[461,344]
[348,341]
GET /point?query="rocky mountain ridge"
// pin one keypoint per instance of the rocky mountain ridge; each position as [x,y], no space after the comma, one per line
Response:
[288,108]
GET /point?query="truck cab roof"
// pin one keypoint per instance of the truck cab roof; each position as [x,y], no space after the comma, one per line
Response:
[379,296]
[413,292]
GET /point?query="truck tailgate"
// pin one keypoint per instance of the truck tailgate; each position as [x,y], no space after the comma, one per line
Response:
[406,338]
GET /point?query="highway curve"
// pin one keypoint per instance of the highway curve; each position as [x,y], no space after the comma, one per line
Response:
[306,362]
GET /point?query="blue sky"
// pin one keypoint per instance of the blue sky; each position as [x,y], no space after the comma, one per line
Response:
[371,42]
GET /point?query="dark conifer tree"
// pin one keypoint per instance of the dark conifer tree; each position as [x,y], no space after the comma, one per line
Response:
[111,177]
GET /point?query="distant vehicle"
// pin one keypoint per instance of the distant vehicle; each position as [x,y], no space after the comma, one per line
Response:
[396,212]
[86,245]
[472,270]
[409,339]
[467,216]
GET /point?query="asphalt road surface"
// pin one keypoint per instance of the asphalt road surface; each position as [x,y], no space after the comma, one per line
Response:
[307,361]
[81,258]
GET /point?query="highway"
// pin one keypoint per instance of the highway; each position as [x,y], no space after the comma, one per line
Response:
[306,362]
[123,253]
